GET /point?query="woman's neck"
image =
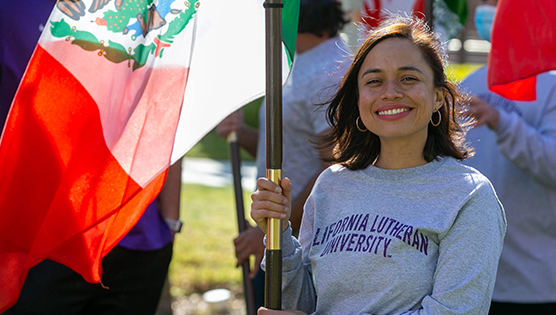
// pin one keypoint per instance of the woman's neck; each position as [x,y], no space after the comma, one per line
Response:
[400,154]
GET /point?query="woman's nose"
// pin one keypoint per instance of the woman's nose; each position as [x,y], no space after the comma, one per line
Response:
[391,90]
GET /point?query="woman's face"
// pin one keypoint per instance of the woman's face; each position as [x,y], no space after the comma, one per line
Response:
[396,92]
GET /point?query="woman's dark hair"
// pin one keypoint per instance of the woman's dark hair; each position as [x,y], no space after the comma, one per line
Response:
[318,18]
[357,150]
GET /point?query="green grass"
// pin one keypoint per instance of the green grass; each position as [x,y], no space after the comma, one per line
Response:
[458,72]
[204,256]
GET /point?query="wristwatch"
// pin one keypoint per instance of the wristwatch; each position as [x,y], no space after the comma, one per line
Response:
[174,225]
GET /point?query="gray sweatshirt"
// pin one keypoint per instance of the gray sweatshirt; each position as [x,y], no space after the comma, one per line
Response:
[519,158]
[423,240]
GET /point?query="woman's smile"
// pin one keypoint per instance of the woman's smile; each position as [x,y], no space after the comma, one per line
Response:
[393,112]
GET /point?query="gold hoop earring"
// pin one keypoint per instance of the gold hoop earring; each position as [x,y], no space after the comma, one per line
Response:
[357,124]
[439,118]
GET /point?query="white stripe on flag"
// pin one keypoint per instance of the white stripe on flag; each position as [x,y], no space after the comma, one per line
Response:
[227,67]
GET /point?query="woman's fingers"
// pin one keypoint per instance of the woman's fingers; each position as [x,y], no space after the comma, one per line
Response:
[266,184]
[286,188]
[270,201]
[264,209]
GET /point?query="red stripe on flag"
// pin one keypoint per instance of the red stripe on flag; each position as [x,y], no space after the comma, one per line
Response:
[522,46]
[63,195]
[523,90]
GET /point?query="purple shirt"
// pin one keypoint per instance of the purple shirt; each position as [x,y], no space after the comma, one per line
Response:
[150,233]
[21,24]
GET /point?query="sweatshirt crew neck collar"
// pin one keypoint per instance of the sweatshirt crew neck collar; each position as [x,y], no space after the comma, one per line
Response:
[405,173]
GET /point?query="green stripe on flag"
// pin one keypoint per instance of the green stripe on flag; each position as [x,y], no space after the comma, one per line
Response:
[449,17]
[459,7]
[290,20]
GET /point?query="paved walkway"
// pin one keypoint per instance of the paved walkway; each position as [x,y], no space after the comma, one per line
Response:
[217,173]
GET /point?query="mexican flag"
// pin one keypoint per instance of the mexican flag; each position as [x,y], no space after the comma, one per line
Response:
[523,46]
[448,15]
[90,133]
[101,113]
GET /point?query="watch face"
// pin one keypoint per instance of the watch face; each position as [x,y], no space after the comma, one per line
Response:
[178,226]
[174,225]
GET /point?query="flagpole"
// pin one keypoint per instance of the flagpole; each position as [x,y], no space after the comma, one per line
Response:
[273,129]
[240,214]
[429,13]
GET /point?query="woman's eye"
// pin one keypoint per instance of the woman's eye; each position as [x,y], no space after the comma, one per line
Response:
[373,81]
[407,79]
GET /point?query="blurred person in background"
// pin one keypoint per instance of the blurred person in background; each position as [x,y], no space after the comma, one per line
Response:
[515,145]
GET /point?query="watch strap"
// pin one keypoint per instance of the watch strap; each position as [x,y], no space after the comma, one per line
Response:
[174,225]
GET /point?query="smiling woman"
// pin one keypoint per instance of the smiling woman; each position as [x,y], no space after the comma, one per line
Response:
[397,98]
[398,225]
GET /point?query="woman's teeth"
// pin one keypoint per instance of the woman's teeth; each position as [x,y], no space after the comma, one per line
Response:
[393,111]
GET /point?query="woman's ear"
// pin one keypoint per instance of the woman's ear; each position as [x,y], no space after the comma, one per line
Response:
[439,98]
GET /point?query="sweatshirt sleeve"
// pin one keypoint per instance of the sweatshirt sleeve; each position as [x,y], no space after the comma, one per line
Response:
[531,149]
[298,291]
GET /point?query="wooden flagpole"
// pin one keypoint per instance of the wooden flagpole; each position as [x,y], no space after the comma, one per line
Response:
[240,214]
[273,128]
[429,13]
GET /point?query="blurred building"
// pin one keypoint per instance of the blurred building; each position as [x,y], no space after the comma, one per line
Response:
[467,47]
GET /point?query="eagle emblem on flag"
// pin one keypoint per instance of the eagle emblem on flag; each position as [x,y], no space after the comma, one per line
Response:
[120,23]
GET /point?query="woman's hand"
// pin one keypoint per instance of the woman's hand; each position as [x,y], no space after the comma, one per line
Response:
[266,311]
[271,201]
